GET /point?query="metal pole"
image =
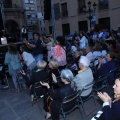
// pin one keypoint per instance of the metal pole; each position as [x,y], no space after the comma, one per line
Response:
[53,20]
[2,13]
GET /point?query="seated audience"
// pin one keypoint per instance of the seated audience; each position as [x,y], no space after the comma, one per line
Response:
[107,67]
[53,66]
[111,109]
[53,100]
[38,75]
[84,76]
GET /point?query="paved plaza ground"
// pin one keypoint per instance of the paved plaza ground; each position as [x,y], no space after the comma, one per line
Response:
[18,106]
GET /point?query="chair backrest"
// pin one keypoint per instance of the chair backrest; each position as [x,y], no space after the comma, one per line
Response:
[101,82]
[70,102]
[38,88]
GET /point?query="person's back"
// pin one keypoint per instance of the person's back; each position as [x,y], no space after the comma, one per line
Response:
[82,79]
[28,58]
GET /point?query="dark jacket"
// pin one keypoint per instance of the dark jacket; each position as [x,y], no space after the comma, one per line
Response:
[112,113]
[106,68]
[36,77]
[57,97]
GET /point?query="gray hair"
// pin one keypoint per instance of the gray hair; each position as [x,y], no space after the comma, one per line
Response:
[41,64]
[68,75]
[84,61]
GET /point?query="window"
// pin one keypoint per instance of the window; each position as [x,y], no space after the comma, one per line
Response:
[27,8]
[26,1]
[64,10]
[81,4]
[8,3]
[103,4]
[28,16]
[32,8]
[66,29]
[29,1]
[83,25]
[33,15]
[105,22]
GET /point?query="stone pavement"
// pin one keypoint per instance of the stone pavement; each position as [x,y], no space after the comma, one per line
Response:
[17,106]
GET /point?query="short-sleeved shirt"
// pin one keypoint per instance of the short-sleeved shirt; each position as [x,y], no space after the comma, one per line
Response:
[38,49]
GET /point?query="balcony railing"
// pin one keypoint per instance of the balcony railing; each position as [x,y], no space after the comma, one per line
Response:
[64,14]
[103,6]
[14,9]
[80,10]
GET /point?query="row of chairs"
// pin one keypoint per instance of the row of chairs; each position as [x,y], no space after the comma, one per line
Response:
[70,102]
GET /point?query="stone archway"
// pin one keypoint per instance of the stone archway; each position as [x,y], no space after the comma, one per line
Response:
[13,30]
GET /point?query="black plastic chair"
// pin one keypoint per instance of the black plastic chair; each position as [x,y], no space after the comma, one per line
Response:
[69,104]
[38,91]
[4,77]
[111,77]
[21,81]
[101,83]
[84,99]
[117,71]
[54,86]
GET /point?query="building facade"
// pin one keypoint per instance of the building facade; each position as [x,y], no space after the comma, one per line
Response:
[13,18]
[74,15]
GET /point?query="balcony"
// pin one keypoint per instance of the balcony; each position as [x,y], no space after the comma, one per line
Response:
[64,14]
[14,9]
[103,6]
[80,10]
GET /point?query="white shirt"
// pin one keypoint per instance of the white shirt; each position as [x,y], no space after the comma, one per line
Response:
[28,58]
[83,42]
[73,48]
[90,56]
[100,34]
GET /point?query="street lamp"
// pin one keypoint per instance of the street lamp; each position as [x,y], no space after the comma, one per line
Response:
[90,11]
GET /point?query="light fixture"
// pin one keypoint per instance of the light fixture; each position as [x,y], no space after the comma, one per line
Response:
[89,4]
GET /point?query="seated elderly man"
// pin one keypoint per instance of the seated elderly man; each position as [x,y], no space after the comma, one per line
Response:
[84,76]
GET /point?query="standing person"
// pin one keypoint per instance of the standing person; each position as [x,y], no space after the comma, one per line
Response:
[12,59]
[59,53]
[49,45]
[24,32]
[28,58]
[36,47]
[83,41]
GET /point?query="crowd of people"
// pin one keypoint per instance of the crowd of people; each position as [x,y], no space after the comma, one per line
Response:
[71,64]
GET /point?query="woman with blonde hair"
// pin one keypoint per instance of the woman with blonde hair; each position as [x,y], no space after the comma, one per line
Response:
[39,75]
[53,66]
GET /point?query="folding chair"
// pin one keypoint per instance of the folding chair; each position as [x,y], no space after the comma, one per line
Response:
[86,98]
[55,87]
[38,91]
[4,76]
[101,83]
[69,104]
[117,71]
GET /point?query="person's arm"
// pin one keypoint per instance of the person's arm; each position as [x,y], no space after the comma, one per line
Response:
[29,45]
[106,105]
[7,60]
[28,81]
